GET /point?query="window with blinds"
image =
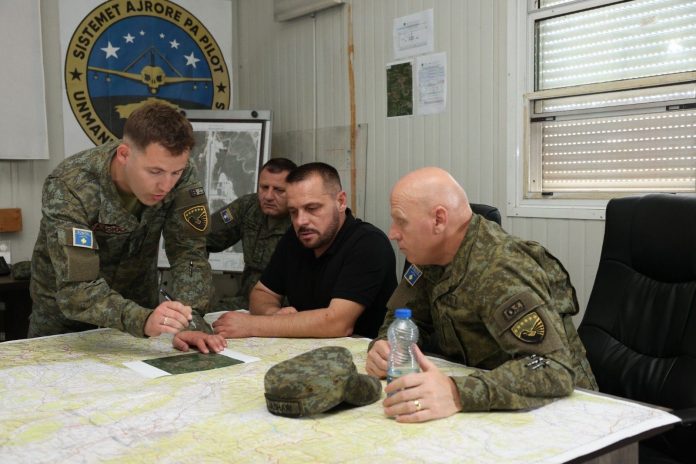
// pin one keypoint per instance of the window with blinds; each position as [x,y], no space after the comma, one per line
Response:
[614,105]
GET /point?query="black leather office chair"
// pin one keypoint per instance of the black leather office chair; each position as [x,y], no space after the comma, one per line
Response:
[489,212]
[639,327]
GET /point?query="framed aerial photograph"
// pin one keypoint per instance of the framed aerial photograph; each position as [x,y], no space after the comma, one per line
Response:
[231,147]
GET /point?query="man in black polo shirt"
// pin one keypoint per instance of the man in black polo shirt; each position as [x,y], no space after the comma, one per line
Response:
[336,271]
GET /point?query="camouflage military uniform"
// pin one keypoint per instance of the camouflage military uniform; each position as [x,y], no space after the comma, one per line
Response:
[505,305]
[108,277]
[243,220]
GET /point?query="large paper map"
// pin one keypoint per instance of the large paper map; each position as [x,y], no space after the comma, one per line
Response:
[70,399]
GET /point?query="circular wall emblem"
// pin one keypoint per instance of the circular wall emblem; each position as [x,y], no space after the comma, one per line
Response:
[126,53]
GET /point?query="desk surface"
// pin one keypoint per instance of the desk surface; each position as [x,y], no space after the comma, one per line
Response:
[8,283]
[69,398]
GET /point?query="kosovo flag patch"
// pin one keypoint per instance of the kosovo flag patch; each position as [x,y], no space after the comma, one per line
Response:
[412,275]
[82,238]
[226,215]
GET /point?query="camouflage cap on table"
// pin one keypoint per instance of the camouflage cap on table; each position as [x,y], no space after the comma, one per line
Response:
[316,381]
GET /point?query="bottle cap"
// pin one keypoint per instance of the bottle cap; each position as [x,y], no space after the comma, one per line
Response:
[402,313]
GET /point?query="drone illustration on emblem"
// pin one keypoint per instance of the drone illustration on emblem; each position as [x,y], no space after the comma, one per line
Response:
[151,75]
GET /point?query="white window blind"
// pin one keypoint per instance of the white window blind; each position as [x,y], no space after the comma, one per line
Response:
[636,153]
[614,106]
[621,41]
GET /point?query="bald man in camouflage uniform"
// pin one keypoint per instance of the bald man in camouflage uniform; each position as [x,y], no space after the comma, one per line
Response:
[104,209]
[482,297]
[259,220]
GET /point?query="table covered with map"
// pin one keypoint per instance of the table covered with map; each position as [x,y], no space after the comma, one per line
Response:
[71,398]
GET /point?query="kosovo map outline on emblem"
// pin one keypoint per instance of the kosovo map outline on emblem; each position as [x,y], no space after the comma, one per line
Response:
[125,53]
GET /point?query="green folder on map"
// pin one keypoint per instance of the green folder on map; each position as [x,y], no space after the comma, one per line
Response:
[192,362]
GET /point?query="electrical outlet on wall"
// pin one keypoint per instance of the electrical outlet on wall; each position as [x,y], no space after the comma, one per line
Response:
[5,251]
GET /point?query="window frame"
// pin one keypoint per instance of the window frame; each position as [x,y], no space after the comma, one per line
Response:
[521,89]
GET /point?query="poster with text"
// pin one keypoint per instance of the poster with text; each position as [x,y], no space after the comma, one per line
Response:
[119,54]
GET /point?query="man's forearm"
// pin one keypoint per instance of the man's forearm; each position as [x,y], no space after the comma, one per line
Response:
[315,323]
[263,303]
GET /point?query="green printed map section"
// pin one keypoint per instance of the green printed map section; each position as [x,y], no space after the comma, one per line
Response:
[192,362]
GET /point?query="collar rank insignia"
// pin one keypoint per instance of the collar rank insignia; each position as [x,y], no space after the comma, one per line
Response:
[412,275]
[82,238]
[226,215]
[529,329]
[197,217]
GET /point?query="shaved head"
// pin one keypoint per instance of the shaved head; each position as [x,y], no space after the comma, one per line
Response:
[428,187]
[430,213]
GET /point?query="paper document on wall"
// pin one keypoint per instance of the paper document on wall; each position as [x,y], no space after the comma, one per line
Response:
[431,82]
[413,34]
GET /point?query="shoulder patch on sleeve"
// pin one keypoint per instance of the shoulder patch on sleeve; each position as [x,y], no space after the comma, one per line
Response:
[81,257]
[77,237]
[196,192]
[82,265]
[412,275]
[226,215]
[529,329]
[82,238]
[189,196]
[197,217]
[514,308]
[523,324]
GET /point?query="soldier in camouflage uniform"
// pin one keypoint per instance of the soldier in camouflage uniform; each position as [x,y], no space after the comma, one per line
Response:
[482,297]
[104,209]
[259,220]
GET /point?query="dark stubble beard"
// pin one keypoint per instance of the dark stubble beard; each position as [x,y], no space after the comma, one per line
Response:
[328,236]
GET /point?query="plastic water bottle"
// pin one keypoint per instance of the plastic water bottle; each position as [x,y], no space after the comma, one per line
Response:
[402,334]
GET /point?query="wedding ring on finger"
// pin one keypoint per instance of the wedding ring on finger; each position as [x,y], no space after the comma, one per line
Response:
[417,404]
[164,322]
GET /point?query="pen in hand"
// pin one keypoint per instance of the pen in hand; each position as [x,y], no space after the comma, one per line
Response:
[168,297]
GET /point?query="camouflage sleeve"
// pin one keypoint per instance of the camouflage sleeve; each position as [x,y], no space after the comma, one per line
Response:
[226,224]
[186,225]
[516,312]
[80,293]
[415,298]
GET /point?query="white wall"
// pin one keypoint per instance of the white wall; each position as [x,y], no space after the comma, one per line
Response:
[470,138]
[21,181]
[276,70]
